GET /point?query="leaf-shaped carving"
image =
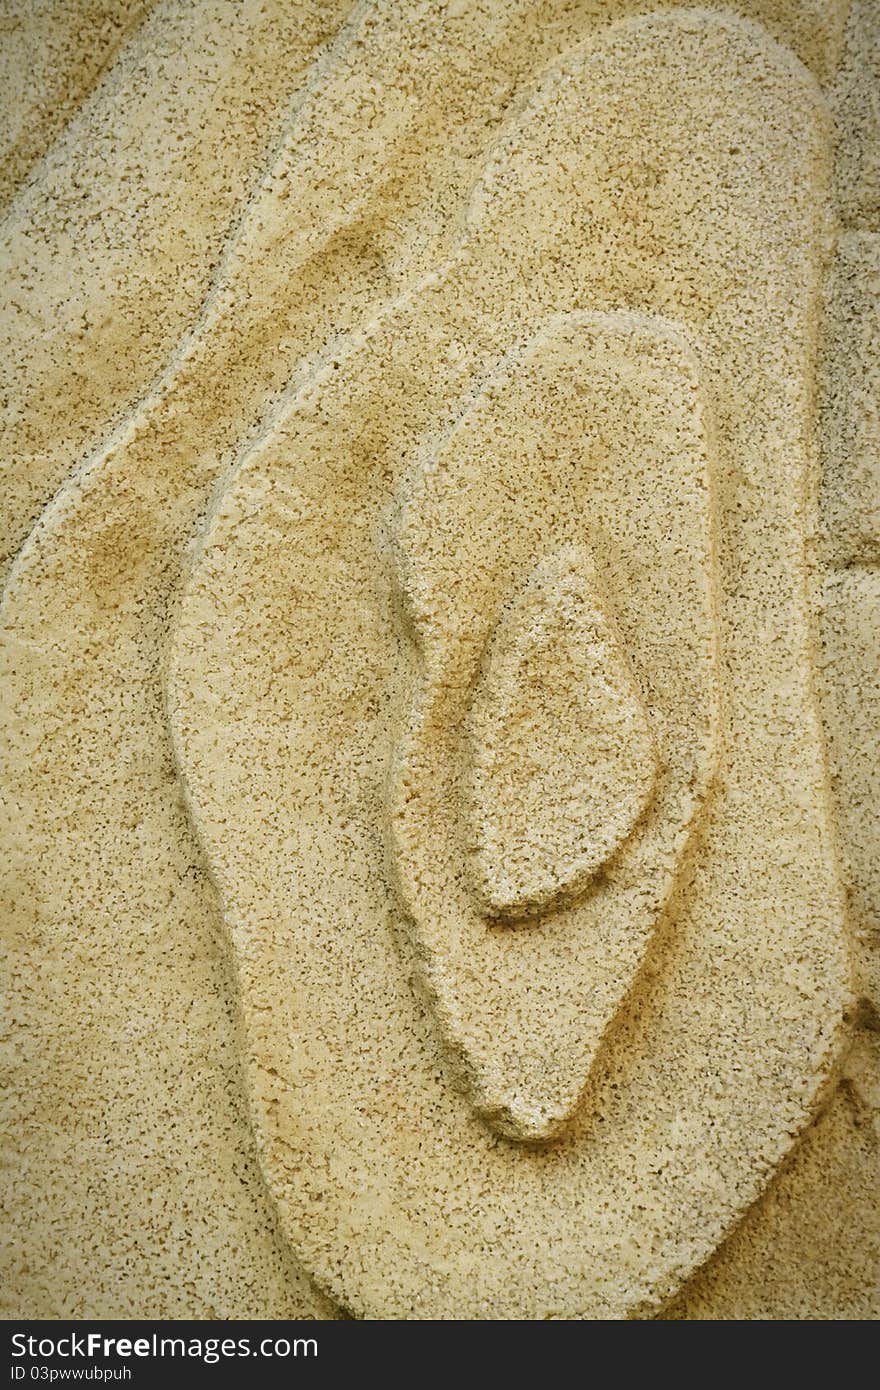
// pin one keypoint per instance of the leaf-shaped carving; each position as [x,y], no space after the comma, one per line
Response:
[292,686]
[524,1012]
[564,758]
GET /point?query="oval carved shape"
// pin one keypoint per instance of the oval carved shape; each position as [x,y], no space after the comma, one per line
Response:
[656,1029]
[564,757]
[526,689]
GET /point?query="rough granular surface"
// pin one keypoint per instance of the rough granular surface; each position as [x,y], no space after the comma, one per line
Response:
[440,495]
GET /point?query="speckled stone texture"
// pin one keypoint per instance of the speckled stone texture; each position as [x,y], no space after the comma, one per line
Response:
[440,779]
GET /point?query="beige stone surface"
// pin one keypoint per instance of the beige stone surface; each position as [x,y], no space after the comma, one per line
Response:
[285,730]
[108,251]
[53,53]
[560,761]
[810,1248]
[549,441]
[129,1135]
[851,640]
[855,104]
[850,402]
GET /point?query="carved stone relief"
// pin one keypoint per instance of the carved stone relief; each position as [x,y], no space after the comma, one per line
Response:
[470,632]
